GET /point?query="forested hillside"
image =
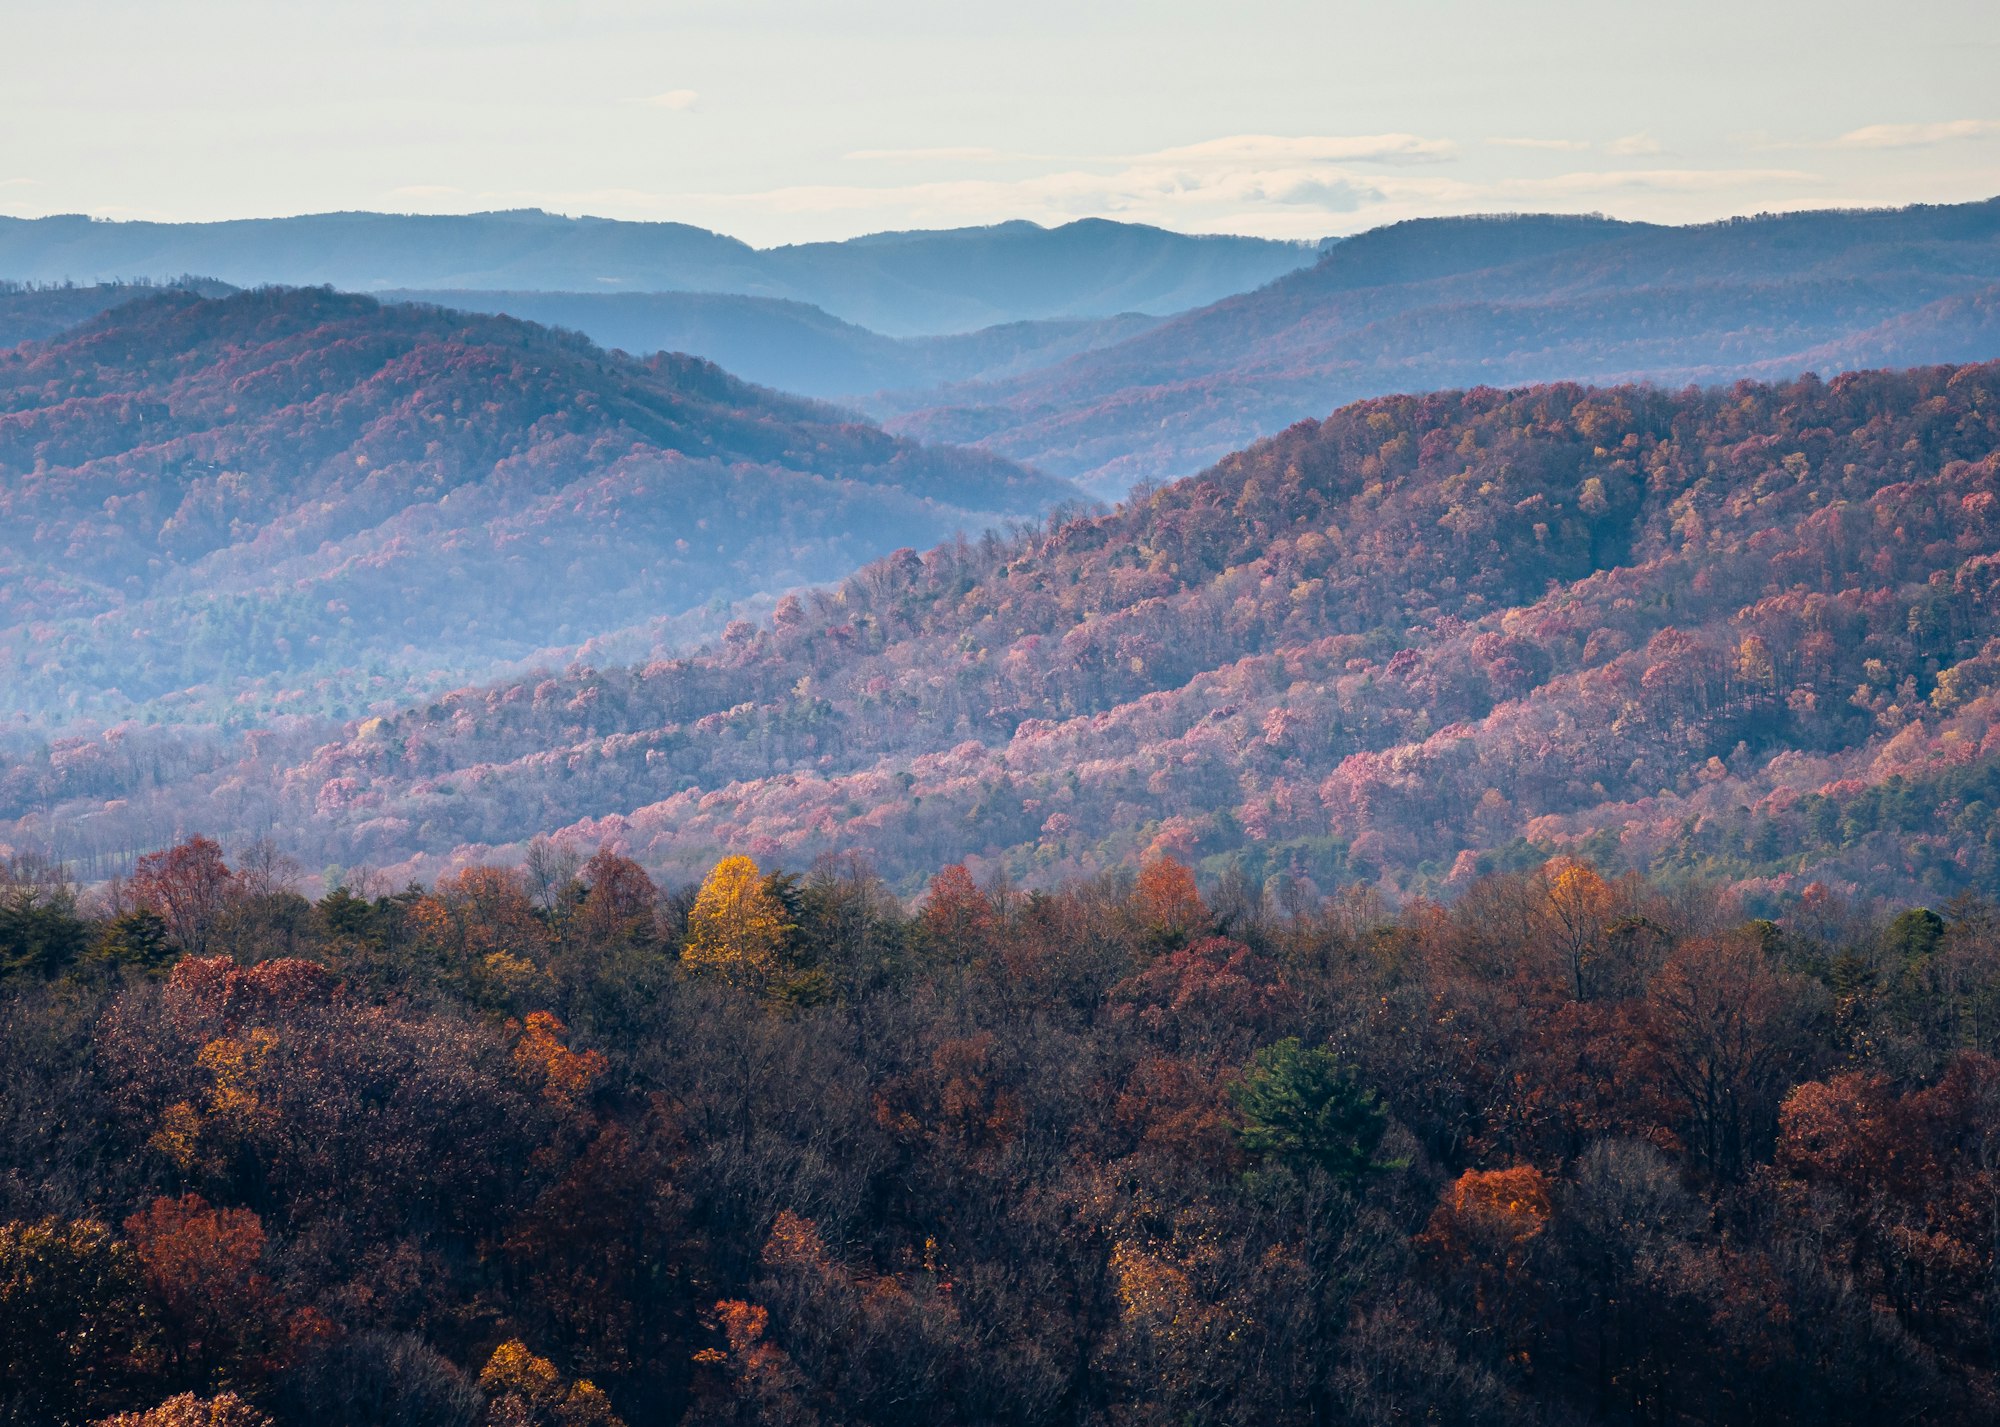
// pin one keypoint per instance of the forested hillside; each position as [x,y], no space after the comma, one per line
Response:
[300,501]
[1744,632]
[558,1147]
[1461,301]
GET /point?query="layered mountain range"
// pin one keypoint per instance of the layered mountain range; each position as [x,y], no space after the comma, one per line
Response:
[954,280]
[1090,368]
[1501,301]
[1747,631]
[795,346]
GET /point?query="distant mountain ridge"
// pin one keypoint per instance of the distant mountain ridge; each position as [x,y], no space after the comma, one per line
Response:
[1434,303]
[306,500]
[899,284]
[794,346]
[1111,401]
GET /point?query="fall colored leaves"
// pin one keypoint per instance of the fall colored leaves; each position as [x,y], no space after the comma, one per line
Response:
[555,1147]
[736,927]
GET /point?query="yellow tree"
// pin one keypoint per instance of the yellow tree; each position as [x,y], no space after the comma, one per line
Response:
[736,927]
[1577,911]
[524,1390]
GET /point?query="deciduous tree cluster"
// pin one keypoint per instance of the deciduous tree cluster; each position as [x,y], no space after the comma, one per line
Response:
[556,1145]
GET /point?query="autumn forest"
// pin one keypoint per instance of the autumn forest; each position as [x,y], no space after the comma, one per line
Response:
[556,1144]
[1411,844]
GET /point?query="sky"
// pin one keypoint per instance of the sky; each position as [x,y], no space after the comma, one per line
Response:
[796,120]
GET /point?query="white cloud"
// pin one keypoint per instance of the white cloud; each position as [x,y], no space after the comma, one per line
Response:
[675,99]
[427,190]
[1294,201]
[1554,145]
[939,155]
[1663,180]
[1276,198]
[1273,148]
[1241,151]
[1917,136]
[1329,195]
[1633,144]
[1280,202]
[1282,186]
[1142,193]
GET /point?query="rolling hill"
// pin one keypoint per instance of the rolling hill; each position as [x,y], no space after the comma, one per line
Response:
[1751,632]
[308,501]
[955,280]
[1437,303]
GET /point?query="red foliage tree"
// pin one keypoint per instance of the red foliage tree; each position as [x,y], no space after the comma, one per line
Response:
[957,918]
[619,902]
[189,886]
[202,1266]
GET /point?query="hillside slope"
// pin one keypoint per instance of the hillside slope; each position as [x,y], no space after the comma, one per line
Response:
[954,280]
[1751,631]
[307,499]
[1449,302]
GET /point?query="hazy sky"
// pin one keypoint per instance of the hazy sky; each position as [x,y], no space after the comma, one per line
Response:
[779,120]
